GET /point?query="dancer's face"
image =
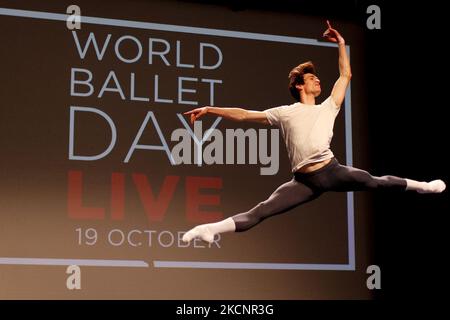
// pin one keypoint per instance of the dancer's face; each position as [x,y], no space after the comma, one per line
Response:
[311,85]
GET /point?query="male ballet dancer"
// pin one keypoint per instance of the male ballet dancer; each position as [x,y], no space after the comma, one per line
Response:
[307,129]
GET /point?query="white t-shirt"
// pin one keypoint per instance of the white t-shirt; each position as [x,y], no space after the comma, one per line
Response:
[307,130]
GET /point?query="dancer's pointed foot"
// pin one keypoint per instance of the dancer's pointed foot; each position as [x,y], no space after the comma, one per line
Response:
[435,186]
[202,232]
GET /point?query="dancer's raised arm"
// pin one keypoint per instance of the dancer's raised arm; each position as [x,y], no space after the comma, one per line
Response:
[345,72]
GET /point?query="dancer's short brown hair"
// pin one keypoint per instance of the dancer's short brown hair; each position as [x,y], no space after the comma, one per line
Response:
[296,77]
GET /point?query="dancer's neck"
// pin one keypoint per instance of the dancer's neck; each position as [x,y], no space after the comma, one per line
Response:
[308,99]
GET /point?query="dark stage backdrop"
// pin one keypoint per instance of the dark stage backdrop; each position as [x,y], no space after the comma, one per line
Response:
[81,185]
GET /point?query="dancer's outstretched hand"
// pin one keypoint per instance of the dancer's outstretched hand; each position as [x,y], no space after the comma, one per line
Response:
[197,113]
[333,35]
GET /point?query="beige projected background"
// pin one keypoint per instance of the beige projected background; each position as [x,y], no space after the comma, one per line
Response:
[120,217]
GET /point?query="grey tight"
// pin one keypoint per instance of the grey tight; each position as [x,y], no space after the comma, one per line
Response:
[305,187]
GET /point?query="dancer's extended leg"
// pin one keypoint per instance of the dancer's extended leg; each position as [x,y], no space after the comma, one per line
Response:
[362,180]
[287,196]
[337,177]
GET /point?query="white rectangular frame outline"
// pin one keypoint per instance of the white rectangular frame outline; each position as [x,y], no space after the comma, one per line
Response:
[350,266]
